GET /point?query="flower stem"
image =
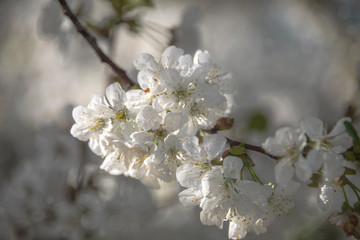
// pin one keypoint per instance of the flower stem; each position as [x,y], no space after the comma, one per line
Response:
[345,196]
[354,188]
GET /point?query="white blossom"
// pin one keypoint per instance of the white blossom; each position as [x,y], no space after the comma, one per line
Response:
[288,144]
[198,159]
[328,147]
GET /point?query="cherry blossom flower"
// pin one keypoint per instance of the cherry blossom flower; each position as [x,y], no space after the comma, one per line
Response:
[288,144]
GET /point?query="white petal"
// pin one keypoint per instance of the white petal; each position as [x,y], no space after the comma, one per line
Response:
[189,175]
[192,148]
[172,142]
[113,165]
[190,197]
[189,128]
[140,138]
[211,181]
[339,127]
[171,56]
[215,217]
[148,81]
[164,102]
[116,96]
[173,121]
[170,79]
[315,159]
[232,167]
[332,167]
[330,197]
[313,127]
[94,145]
[137,99]
[211,95]
[97,102]
[341,143]
[202,57]
[284,171]
[303,169]
[148,119]
[145,61]
[272,146]
[214,145]
[237,230]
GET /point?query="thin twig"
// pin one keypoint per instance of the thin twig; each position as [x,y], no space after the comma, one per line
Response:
[234,143]
[250,147]
[93,43]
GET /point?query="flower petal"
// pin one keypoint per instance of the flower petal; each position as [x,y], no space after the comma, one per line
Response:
[116,96]
[170,56]
[302,169]
[313,127]
[284,171]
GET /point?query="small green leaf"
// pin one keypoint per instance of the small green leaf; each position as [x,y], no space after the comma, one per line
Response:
[357,207]
[315,180]
[356,149]
[237,150]
[349,171]
[352,132]
[345,207]
[350,156]
[216,162]
[313,185]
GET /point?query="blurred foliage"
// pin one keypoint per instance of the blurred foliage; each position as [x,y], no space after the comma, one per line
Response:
[122,15]
[257,122]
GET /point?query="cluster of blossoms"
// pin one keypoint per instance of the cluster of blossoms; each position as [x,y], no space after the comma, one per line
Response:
[310,150]
[159,133]
[139,132]
[311,153]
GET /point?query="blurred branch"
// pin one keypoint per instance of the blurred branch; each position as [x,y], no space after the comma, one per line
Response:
[93,43]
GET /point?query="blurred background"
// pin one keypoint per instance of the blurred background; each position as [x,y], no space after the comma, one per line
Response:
[288,59]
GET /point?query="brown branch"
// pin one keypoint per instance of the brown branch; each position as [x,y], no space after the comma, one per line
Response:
[93,43]
[250,147]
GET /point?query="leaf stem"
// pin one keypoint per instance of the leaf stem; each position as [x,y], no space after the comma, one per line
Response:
[354,188]
[345,196]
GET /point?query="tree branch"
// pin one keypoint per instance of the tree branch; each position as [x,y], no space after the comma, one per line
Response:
[250,147]
[93,43]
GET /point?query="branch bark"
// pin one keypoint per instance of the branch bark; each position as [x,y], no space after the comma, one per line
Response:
[93,43]
[250,147]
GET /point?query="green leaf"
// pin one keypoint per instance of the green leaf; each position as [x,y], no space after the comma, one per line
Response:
[350,156]
[356,149]
[313,185]
[345,207]
[349,171]
[216,162]
[357,207]
[352,132]
[257,121]
[237,150]
[315,180]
